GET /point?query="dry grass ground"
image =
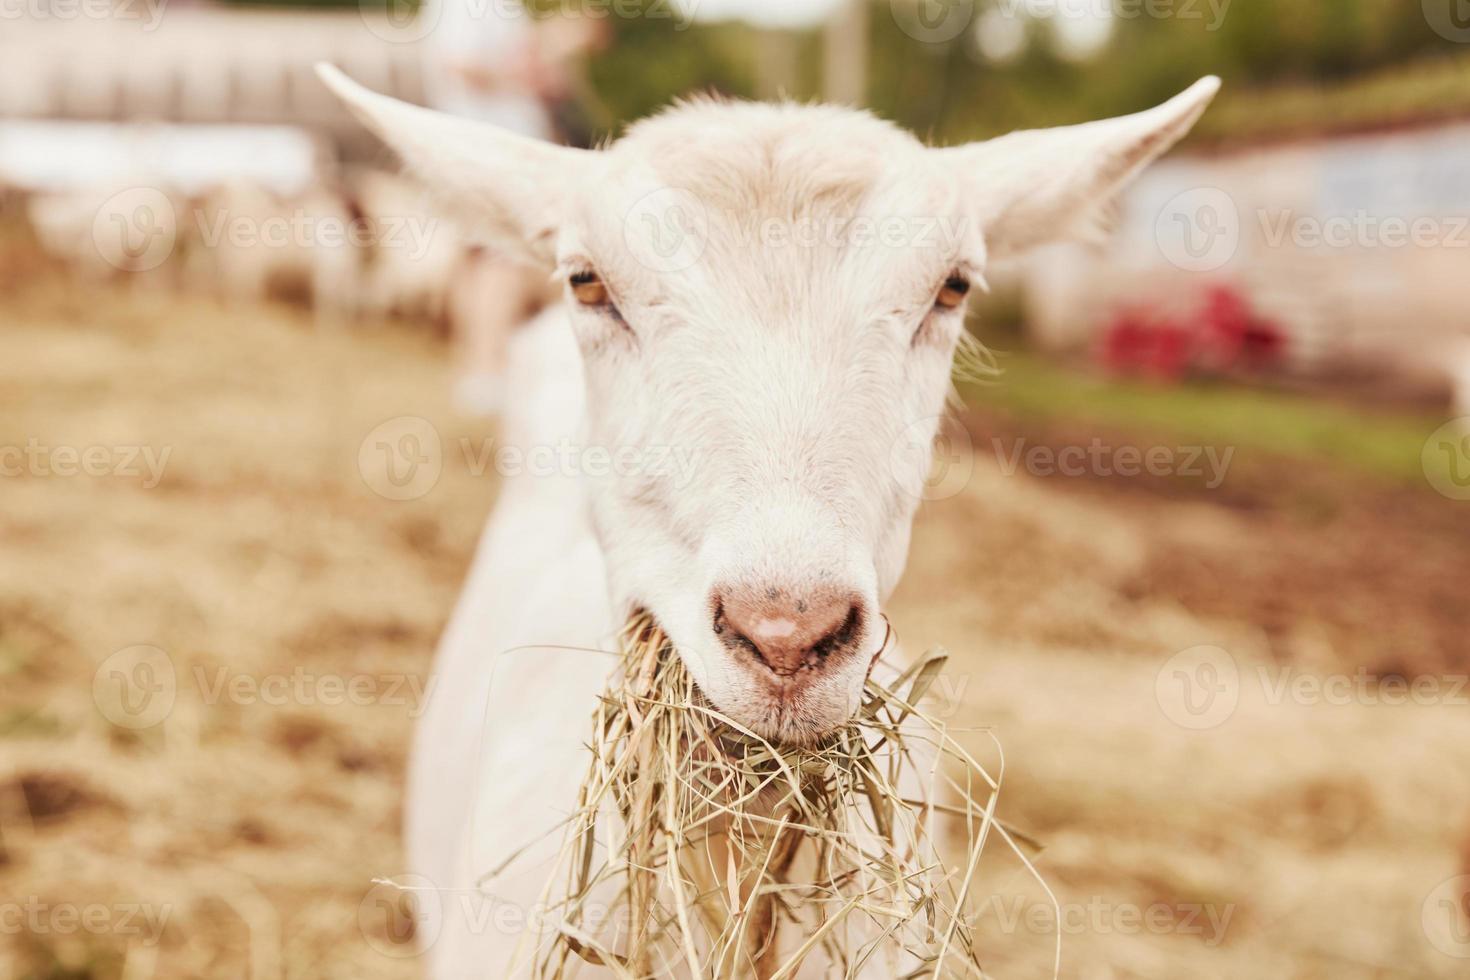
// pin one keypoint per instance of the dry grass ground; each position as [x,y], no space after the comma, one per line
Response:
[1318,821]
[1294,838]
[258,812]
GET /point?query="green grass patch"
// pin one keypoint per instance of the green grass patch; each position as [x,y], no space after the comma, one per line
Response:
[1384,443]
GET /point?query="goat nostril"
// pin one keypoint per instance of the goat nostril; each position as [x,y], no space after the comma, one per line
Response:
[843,635]
[787,635]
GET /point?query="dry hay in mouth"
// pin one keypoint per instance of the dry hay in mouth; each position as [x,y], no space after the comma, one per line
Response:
[701,843]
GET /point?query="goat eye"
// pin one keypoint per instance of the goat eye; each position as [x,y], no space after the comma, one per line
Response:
[952,294]
[589,289]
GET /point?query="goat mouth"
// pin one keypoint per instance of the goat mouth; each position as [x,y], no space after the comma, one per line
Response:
[787,725]
[794,711]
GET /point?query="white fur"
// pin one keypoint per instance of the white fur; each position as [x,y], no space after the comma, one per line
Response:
[800,363]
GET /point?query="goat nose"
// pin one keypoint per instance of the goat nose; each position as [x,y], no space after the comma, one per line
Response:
[785,633]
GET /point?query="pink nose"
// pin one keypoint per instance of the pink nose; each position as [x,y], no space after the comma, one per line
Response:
[788,634]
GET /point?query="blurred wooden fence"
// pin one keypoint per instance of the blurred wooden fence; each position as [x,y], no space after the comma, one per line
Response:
[200,65]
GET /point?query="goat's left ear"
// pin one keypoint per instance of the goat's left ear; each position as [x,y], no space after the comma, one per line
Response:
[511,188]
[1040,186]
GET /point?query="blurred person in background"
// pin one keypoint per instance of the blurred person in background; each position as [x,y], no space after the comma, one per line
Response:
[491,60]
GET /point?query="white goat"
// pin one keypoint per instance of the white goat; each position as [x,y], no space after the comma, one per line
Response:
[763,305]
[103,231]
[250,241]
[413,266]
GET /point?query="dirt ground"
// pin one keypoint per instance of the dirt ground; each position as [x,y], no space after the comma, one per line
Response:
[1287,816]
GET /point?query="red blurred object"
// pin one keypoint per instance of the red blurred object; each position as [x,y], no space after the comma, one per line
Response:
[1138,342]
[1224,335]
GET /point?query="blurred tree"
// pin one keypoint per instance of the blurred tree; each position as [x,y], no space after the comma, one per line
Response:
[949,90]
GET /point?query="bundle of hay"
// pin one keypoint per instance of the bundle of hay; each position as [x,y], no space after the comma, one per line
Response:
[701,849]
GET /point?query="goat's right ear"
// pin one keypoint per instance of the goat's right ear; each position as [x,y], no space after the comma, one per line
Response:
[1046,185]
[511,188]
